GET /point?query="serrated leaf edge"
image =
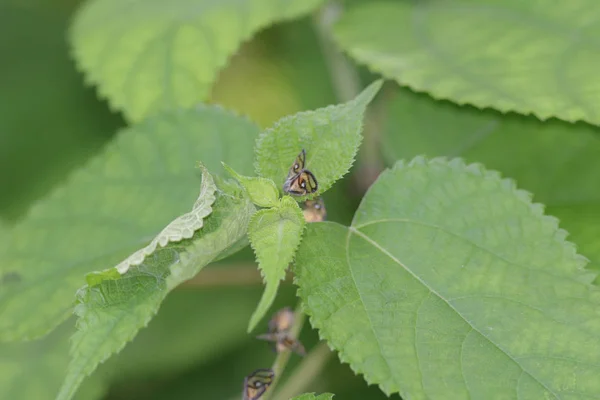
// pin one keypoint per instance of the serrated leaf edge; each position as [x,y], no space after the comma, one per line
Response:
[283,120]
[194,220]
[85,372]
[537,209]
[285,202]
[91,80]
[446,94]
[389,387]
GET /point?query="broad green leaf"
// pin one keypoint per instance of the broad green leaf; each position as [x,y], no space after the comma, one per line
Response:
[451,281]
[156,55]
[35,370]
[110,208]
[330,137]
[274,235]
[182,227]
[261,191]
[554,160]
[531,57]
[48,127]
[312,396]
[113,310]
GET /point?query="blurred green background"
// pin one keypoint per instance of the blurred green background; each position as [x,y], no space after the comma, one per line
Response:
[51,123]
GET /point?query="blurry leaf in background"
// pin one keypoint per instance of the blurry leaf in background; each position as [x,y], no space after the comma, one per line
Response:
[254,84]
[512,55]
[155,55]
[558,162]
[35,370]
[111,207]
[427,323]
[49,123]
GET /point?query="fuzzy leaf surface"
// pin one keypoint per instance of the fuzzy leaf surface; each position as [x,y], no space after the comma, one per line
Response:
[330,136]
[147,56]
[262,191]
[554,160]
[114,309]
[110,208]
[274,234]
[450,280]
[531,57]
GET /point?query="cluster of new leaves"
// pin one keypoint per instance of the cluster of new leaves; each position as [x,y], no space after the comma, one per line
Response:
[330,138]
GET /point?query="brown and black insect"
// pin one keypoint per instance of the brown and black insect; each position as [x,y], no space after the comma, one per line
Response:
[300,181]
[279,333]
[257,383]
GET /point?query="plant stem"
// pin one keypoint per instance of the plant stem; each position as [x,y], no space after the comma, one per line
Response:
[305,373]
[283,357]
[344,76]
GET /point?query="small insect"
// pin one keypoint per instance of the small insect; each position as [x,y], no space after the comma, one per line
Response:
[279,333]
[300,181]
[314,210]
[282,320]
[283,341]
[257,383]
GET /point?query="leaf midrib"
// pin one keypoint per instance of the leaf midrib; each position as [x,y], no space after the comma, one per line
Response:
[472,243]
[432,290]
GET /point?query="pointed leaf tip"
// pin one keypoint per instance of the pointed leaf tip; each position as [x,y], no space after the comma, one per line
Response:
[274,235]
[330,137]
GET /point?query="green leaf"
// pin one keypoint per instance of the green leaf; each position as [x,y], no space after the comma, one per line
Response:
[330,136]
[111,312]
[451,281]
[261,191]
[523,56]
[35,370]
[109,209]
[156,55]
[274,235]
[312,396]
[554,160]
[74,123]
